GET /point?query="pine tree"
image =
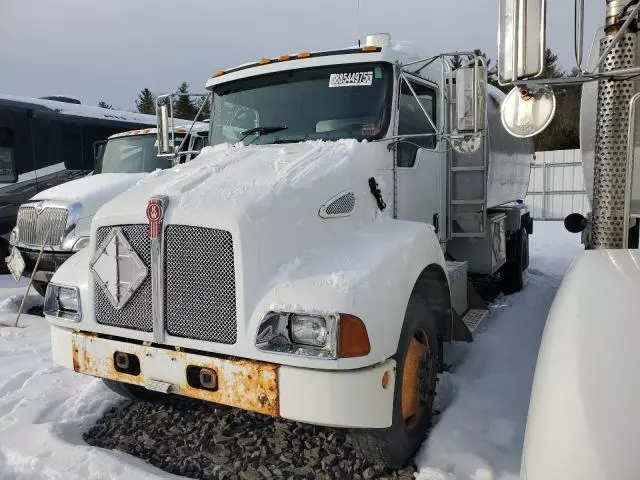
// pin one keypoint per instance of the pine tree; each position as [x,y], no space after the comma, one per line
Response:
[146,103]
[479,53]
[105,105]
[184,107]
[456,61]
[564,130]
[206,110]
[551,67]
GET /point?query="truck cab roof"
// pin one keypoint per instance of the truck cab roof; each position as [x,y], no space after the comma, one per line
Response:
[394,53]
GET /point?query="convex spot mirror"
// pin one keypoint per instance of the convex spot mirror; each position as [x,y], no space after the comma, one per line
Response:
[528,111]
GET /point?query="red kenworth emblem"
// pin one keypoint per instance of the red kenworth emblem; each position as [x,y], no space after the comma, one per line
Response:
[155,213]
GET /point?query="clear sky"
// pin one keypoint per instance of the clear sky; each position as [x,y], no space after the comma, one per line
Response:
[110,49]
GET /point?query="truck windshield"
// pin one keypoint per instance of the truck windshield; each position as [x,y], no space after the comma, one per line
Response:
[328,103]
[135,154]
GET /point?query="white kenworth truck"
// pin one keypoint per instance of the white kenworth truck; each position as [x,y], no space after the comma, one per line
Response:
[56,223]
[298,267]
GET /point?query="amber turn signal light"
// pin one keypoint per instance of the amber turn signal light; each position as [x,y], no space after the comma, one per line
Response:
[354,340]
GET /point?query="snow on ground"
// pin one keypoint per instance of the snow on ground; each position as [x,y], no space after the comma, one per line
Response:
[479,435]
[45,409]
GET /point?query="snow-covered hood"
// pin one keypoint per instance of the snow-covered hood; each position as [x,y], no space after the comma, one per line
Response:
[267,196]
[91,191]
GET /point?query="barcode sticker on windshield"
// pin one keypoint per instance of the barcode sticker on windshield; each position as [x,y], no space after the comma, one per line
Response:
[353,79]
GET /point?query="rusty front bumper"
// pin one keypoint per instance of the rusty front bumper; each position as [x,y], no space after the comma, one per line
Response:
[246,384]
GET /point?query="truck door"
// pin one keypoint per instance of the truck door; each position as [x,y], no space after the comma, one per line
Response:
[421,167]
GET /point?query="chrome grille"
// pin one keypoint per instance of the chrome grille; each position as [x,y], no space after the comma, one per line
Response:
[136,314]
[49,227]
[200,285]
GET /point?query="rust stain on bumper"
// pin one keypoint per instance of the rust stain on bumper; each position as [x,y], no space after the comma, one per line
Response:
[246,384]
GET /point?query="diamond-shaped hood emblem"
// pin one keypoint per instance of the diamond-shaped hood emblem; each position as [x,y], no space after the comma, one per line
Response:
[117,268]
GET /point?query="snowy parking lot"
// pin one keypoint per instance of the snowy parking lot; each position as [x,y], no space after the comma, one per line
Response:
[45,410]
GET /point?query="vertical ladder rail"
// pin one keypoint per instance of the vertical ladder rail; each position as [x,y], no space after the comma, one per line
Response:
[453,171]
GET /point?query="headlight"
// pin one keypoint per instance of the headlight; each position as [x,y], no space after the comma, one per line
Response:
[309,330]
[68,299]
[299,334]
[62,302]
[80,244]
[13,238]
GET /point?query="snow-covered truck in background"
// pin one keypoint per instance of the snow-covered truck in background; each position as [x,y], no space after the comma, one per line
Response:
[298,267]
[583,415]
[55,223]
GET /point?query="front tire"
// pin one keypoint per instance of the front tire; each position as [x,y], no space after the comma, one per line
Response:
[5,251]
[135,393]
[40,287]
[414,391]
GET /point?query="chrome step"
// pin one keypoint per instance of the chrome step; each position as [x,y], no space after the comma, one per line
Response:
[474,317]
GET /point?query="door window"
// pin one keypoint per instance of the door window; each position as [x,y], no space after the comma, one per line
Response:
[412,120]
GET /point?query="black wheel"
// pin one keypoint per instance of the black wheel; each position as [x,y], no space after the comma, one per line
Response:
[524,248]
[134,393]
[415,384]
[5,250]
[40,287]
[512,272]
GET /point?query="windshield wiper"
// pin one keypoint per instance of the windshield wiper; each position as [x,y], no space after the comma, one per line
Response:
[262,131]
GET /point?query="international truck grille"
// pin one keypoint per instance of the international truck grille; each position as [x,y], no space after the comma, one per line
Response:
[136,314]
[200,286]
[49,227]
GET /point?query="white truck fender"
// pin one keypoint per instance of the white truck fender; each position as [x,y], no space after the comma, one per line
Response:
[370,272]
[583,414]
[75,272]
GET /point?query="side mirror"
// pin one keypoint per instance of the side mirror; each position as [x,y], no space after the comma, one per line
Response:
[98,149]
[164,115]
[471,97]
[521,39]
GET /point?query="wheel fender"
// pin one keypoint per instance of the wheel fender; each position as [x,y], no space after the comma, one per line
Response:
[583,410]
[370,272]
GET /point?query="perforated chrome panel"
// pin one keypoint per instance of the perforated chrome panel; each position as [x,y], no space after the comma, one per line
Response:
[48,227]
[339,206]
[136,314]
[344,204]
[609,177]
[200,286]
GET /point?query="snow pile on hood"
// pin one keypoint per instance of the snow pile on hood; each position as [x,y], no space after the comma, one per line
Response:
[233,171]
[108,185]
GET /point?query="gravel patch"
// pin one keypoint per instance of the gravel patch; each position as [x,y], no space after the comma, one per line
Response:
[200,440]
